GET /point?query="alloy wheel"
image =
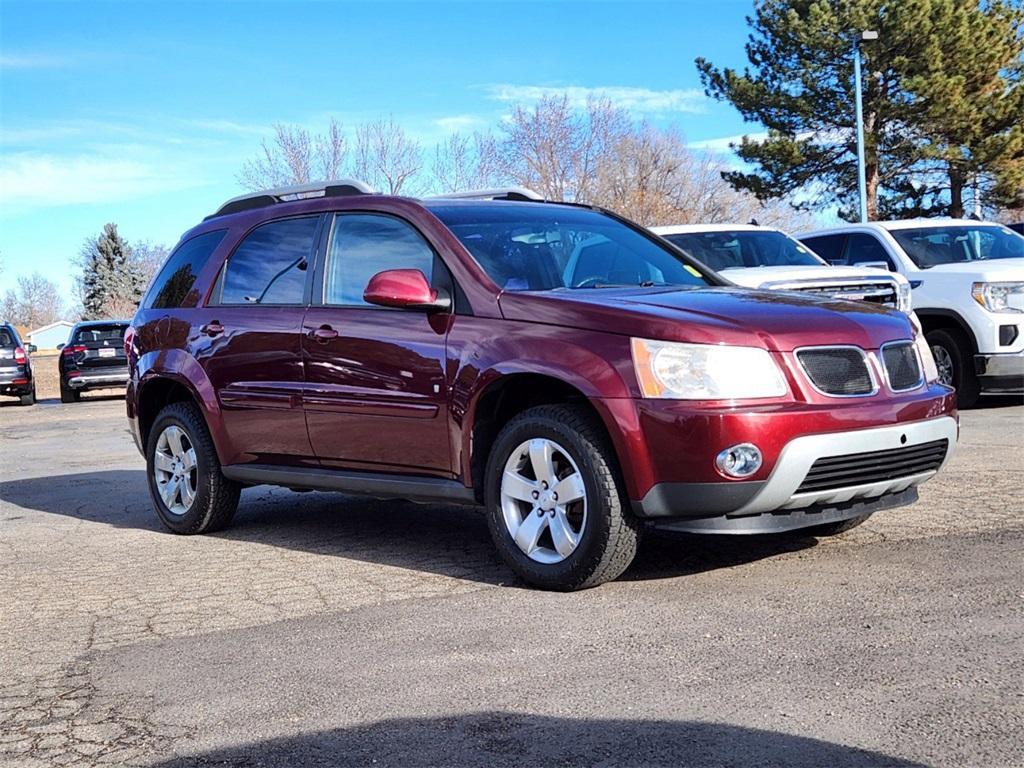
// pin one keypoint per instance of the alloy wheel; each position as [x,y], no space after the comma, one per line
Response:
[175,470]
[543,500]
[944,362]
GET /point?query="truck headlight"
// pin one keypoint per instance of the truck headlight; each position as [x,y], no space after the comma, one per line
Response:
[904,300]
[673,370]
[999,297]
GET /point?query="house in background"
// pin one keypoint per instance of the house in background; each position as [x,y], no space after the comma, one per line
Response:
[49,336]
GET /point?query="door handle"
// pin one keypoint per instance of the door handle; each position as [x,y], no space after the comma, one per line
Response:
[323,334]
[212,329]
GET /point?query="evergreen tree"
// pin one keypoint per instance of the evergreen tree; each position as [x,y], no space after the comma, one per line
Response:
[973,105]
[111,278]
[800,87]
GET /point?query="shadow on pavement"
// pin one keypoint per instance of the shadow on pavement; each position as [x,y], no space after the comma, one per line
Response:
[451,541]
[505,739]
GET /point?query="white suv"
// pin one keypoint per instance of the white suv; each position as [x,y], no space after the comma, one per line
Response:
[968,285]
[763,257]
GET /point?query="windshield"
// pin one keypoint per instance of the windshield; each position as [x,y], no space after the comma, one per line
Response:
[931,246]
[95,333]
[743,248]
[537,247]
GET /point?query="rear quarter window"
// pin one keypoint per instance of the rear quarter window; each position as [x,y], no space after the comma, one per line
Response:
[174,284]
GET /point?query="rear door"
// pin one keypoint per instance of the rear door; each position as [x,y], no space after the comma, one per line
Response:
[248,341]
[376,392]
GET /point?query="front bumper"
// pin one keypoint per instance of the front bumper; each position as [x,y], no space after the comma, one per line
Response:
[1002,372]
[781,493]
[99,380]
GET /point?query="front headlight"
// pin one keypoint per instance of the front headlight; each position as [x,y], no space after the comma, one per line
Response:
[904,301]
[999,297]
[678,371]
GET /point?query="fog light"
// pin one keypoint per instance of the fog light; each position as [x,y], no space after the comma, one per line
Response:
[739,461]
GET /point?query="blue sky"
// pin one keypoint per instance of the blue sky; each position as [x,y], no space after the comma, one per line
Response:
[142,113]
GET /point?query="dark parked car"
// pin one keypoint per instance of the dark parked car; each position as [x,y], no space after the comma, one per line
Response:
[16,378]
[93,358]
[439,350]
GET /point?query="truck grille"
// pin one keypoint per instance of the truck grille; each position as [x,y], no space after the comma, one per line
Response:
[840,371]
[883,292]
[834,472]
[901,366]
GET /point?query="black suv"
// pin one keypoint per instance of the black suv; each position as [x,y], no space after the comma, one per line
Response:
[15,367]
[93,358]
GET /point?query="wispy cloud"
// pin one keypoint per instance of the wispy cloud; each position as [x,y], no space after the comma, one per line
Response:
[459,122]
[640,101]
[32,61]
[31,181]
[723,143]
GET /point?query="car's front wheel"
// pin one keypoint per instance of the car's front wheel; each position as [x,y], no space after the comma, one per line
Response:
[190,493]
[955,365]
[556,508]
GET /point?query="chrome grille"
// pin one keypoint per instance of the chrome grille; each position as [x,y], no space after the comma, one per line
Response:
[837,371]
[876,293]
[901,366]
[834,472]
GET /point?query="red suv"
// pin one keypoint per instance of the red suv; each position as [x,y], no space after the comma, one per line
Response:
[574,374]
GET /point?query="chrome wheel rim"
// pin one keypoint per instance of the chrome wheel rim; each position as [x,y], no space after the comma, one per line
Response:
[543,501]
[175,470]
[944,362]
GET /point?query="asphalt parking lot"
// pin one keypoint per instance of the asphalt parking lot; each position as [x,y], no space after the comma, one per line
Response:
[325,630]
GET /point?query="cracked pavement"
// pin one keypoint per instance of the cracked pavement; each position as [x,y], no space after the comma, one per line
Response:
[322,629]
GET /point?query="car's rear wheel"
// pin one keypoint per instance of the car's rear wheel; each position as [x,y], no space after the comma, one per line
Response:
[556,508]
[69,395]
[952,354]
[30,398]
[190,493]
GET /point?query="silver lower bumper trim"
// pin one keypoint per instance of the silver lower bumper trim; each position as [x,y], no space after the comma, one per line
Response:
[113,379]
[799,454]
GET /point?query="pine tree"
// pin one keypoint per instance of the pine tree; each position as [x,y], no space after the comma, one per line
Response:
[800,87]
[973,105]
[111,277]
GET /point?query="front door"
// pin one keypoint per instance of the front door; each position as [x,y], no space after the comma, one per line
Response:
[376,393]
[250,342]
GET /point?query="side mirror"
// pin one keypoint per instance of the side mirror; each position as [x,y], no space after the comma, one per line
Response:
[876,264]
[61,346]
[31,348]
[404,289]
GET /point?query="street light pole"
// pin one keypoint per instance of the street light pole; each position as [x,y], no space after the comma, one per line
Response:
[862,185]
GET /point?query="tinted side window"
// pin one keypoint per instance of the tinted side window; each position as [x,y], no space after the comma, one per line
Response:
[270,264]
[862,248]
[829,247]
[179,273]
[363,245]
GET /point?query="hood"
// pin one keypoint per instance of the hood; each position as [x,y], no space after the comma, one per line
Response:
[984,271]
[772,320]
[755,277]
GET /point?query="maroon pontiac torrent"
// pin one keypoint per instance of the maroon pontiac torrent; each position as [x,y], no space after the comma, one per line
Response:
[574,374]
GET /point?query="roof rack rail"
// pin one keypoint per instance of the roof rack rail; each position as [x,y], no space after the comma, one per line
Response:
[336,188]
[497,193]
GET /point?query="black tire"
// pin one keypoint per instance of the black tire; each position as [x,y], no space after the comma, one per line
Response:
[28,399]
[610,535]
[216,497]
[68,395]
[955,344]
[833,529]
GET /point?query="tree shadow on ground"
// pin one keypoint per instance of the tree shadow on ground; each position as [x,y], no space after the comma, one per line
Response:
[448,540]
[496,739]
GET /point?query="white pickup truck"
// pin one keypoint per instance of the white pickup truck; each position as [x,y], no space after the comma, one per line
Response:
[967,279]
[763,257]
